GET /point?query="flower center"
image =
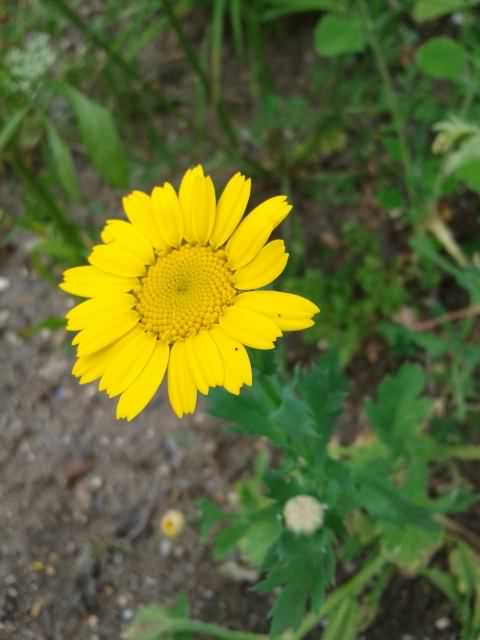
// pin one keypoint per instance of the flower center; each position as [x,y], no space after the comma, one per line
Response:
[185,291]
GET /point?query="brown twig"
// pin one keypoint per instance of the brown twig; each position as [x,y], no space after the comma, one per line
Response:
[460,314]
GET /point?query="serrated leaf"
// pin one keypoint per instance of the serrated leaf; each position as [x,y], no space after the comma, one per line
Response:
[431,9]
[398,412]
[260,536]
[62,162]
[442,57]
[288,609]
[210,515]
[410,548]
[324,388]
[100,137]
[339,35]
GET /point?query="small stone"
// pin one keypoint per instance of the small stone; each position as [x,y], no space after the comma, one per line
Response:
[50,571]
[10,580]
[92,622]
[165,548]
[122,600]
[442,623]
[127,614]
[4,284]
[96,483]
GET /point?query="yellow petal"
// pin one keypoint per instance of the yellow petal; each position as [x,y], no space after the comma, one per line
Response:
[115,259]
[236,363]
[87,282]
[205,362]
[197,199]
[102,334]
[264,268]
[93,366]
[128,363]
[182,391]
[255,229]
[168,214]
[230,208]
[289,311]
[85,313]
[251,328]
[129,237]
[141,391]
[139,210]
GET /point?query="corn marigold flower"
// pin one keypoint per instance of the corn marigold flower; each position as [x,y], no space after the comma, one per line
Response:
[172,289]
[304,514]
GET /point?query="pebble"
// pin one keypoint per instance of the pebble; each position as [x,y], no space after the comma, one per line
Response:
[127,614]
[92,621]
[4,284]
[165,548]
[442,623]
[122,600]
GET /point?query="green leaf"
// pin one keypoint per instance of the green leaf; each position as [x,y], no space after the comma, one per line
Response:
[442,57]
[100,137]
[153,622]
[469,173]
[62,162]
[386,502]
[324,388]
[265,529]
[289,609]
[338,35]
[210,516]
[431,9]
[409,547]
[279,8]
[343,621]
[9,129]
[399,412]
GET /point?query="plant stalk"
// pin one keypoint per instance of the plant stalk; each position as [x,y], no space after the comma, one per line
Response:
[391,96]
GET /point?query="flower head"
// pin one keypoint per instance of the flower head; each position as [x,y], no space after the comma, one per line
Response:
[172,523]
[172,289]
[304,514]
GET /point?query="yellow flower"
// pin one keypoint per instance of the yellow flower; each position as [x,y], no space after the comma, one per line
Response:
[172,288]
[172,523]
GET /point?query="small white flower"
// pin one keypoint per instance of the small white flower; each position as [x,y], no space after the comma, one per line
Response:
[304,514]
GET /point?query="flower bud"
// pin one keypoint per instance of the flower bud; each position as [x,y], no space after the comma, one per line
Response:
[304,514]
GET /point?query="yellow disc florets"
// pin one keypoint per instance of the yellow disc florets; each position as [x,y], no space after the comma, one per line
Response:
[185,291]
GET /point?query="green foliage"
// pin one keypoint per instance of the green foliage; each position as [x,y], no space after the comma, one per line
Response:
[100,138]
[389,480]
[360,292]
[399,412]
[431,9]
[337,35]
[442,57]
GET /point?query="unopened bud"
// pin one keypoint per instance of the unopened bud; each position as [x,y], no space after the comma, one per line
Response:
[304,514]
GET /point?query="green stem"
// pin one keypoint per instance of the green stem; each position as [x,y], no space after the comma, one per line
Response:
[204,628]
[349,589]
[68,229]
[194,61]
[464,452]
[391,96]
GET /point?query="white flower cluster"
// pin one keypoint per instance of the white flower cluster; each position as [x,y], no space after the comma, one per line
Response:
[304,514]
[26,66]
